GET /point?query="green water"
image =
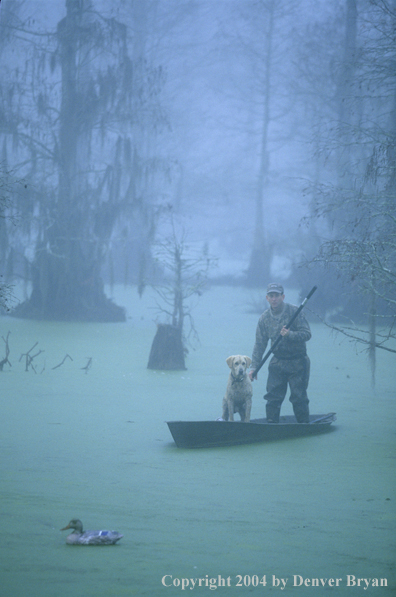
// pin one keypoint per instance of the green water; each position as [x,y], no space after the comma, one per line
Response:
[95,446]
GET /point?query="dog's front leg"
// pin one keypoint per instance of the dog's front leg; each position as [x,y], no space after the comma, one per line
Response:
[225,409]
[248,408]
[230,404]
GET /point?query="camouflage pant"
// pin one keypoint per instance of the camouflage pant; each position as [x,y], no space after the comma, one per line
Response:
[294,372]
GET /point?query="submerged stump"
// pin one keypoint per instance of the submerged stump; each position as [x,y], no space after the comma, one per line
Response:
[167,351]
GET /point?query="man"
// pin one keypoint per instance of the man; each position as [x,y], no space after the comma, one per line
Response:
[290,363]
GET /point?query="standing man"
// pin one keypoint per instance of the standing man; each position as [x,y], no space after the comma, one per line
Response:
[290,363]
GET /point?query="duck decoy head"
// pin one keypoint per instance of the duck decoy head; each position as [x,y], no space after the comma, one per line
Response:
[75,524]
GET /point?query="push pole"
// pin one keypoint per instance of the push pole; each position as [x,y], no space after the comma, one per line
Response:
[296,314]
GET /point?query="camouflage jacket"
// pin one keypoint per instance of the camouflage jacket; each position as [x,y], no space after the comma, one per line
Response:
[268,328]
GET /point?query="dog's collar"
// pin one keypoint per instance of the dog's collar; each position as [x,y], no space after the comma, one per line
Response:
[237,379]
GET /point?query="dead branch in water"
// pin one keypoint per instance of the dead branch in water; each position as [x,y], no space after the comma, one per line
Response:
[60,364]
[88,365]
[5,360]
[29,358]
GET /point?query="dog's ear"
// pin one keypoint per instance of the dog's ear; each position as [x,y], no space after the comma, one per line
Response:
[248,361]
[229,361]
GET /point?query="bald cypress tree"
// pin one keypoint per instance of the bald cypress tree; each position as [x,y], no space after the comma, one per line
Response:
[74,143]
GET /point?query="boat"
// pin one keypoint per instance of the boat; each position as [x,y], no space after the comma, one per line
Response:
[213,434]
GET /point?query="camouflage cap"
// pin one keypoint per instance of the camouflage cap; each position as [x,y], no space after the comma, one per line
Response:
[275,288]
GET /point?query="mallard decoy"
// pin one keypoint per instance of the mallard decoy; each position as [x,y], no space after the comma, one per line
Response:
[80,537]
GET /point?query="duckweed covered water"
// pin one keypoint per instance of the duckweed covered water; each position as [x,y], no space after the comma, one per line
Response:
[95,446]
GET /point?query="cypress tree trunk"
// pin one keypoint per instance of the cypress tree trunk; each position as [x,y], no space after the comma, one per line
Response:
[66,271]
[167,351]
[260,260]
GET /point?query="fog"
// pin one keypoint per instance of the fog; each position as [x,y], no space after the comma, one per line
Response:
[248,142]
[232,92]
[262,131]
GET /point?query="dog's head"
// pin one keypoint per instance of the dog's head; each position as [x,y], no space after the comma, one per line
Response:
[238,365]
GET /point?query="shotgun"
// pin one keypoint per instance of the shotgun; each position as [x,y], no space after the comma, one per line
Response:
[279,338]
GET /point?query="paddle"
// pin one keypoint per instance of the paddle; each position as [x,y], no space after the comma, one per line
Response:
[271,350]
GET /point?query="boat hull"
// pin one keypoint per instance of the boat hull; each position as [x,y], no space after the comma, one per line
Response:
[210,434]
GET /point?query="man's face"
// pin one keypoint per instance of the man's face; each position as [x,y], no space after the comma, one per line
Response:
[275,299]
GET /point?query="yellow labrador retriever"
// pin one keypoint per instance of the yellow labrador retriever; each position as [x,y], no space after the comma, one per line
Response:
[239,392]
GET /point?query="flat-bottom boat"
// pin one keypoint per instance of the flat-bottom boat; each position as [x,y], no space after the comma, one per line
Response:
[211,434]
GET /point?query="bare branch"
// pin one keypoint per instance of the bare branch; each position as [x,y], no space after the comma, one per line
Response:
[5,360]
[61,363]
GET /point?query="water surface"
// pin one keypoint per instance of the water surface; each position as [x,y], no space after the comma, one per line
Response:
[95,446]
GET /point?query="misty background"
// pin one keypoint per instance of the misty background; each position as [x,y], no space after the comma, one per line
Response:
[189,152]
[263,131]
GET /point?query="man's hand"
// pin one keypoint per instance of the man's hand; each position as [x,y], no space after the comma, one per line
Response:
[252,377]
[284,331]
